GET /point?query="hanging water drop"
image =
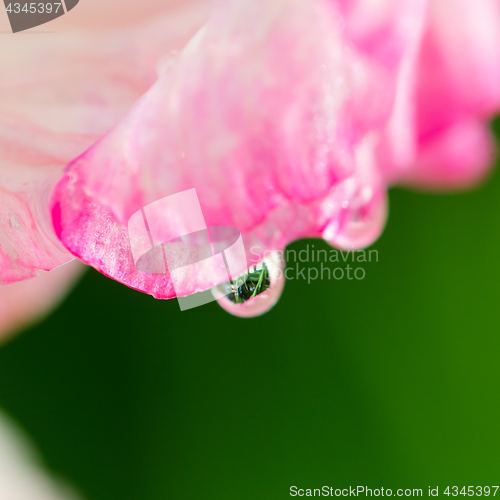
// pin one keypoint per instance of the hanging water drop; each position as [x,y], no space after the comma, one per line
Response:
[254,292]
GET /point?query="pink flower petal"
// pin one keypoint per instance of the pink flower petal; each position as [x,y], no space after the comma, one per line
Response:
[459,66]
[58,95]
[460,156]
[458,86]
[31,163]
[271,113]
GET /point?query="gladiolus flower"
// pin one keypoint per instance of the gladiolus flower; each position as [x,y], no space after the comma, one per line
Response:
[290,119]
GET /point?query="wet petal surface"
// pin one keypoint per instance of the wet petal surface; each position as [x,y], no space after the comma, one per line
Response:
[277,161]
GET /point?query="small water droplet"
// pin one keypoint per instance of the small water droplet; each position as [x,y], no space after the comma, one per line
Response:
[13,221]
[268,290]
[345,204]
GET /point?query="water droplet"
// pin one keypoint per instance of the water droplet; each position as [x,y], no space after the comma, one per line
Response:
[13,221]
[257,298]
[360,223]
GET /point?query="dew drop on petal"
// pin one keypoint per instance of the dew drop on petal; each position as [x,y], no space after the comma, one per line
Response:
[261,302]
[13,221]
[361,222]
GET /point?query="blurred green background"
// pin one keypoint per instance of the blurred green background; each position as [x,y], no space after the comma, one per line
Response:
[391,381]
